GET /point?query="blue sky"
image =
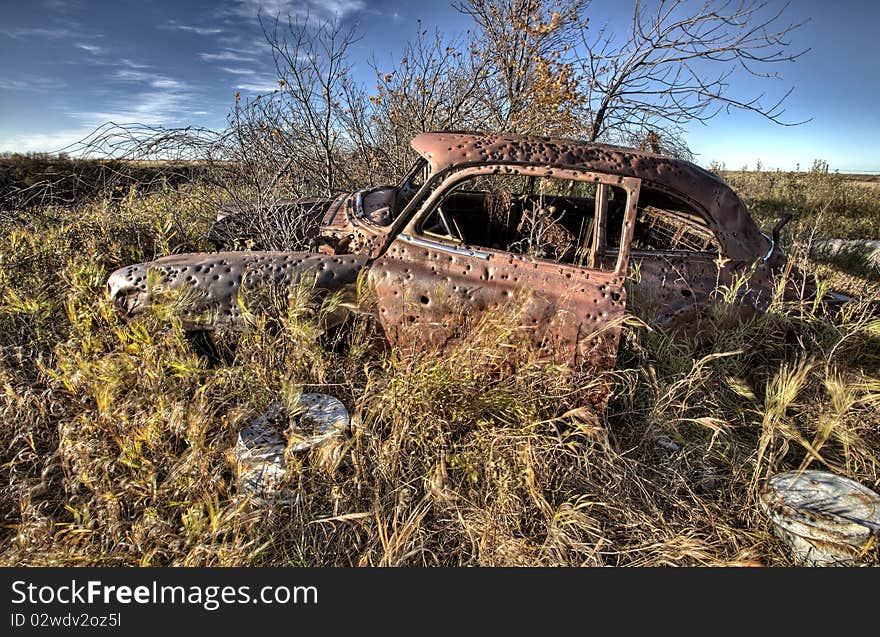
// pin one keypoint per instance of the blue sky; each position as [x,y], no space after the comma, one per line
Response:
[70,65]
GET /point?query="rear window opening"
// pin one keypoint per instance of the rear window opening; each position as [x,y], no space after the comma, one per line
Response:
[664,223]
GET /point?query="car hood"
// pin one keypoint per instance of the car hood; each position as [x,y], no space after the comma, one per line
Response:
[212,289]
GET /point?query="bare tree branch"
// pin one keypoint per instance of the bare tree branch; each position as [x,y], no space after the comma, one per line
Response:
[677,65]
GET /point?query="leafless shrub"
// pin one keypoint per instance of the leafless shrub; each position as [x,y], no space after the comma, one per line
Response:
[306,113]
[436,85]
[676,66]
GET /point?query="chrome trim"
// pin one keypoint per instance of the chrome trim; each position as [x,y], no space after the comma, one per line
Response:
[772,246]
[445,248]
[359,204]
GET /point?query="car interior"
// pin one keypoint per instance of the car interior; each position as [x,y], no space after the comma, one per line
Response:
[555,220]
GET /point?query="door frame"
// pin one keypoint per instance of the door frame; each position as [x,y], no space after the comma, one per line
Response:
[573,303]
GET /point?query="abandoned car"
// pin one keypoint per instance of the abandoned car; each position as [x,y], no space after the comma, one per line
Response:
[570,231]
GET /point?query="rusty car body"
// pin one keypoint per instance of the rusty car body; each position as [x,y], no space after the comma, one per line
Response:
[571,232]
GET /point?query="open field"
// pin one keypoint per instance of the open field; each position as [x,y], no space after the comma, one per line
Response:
[115,436]
[823,203]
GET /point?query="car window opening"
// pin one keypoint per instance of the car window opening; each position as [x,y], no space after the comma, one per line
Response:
[417,175]
[663,223]
[542,217]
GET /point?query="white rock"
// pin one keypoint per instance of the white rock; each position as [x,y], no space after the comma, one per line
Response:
[826,519]
[264,445]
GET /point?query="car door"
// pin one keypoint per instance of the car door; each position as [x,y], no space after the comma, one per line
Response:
[458,257]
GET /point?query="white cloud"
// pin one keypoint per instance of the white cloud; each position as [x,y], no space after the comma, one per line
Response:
[13,85]
[56,5]
[123,62]
[133,65]
[164,82]
[156,100]
[236,71]
[133,76]
[31,84]
[149,107]
[322,9]
[38,32]
[175,26]
[91,48]
[153,79]
[259,85]
[44,142]
[226,56]
[341,7]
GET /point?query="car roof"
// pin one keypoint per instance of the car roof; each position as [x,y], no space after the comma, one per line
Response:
[740,237]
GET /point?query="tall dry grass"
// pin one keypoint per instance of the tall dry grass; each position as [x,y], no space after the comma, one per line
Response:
[115,436]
